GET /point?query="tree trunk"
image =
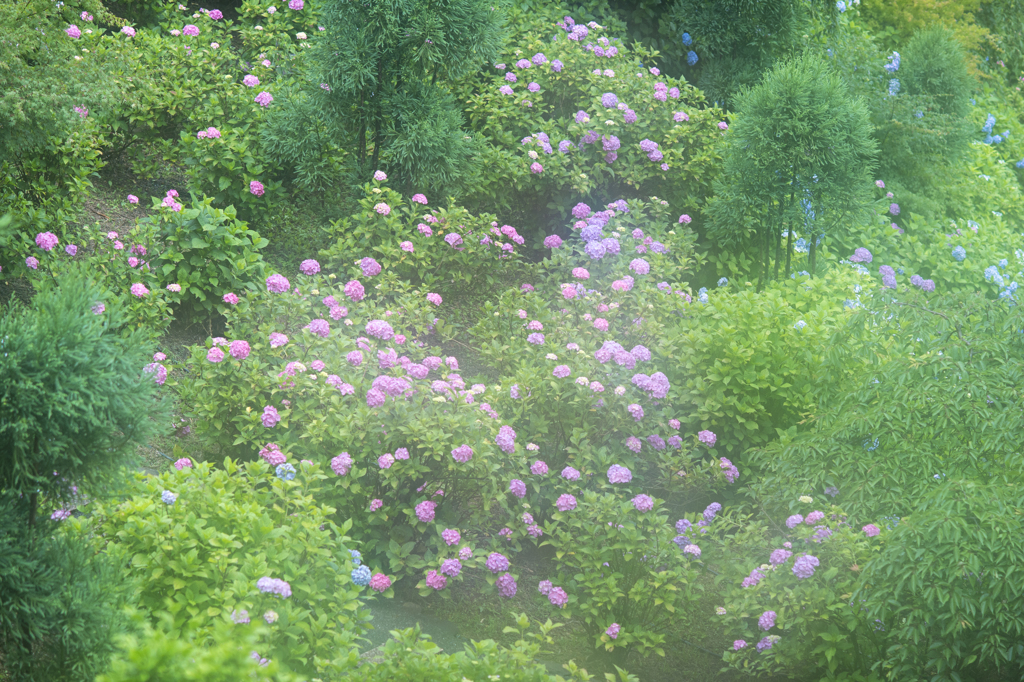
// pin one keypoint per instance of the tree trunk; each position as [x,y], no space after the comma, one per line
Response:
[812,249]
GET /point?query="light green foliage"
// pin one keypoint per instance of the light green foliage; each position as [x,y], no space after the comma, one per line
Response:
[945,585]
[935,392]
[59,602]
[161,654]
[800,144]
[74,393]
[481,256]
[207,251]
[622,567]
[411,657]
[387,66]
[743,366]
[1005,21]
[199,559]
[822,632]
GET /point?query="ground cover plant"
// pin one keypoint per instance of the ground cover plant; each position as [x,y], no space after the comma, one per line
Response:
[431,341]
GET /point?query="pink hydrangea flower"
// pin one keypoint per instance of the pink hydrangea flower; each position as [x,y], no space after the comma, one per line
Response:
[425,511]
[539,468]
[139,290]
[558,597]
[256,188]
[643,503]
[277,339]
[619,474]
[342,464]
[190,30]
[250,81]
[434,298]
[354,290]
[613,630]
[517,488]
[239,350]
[565,502]
[707,437]
[309,267]
[419,199]
[871,530]
[407,247]
[46,240]
[382,208]
[183,463]
[376,504]
[73,31]
[380,582]
[231,299]
[462,454]
[264,99]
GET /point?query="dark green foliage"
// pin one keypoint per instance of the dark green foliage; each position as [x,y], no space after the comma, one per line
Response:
[72,391]
[301,136]
[736,40]
[921,124]
[914,387]
[43,158]
[799,155]
[58,602]
[1005,19]
[387,65]
[947,585]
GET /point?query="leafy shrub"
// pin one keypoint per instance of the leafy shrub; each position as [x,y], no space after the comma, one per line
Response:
[953,614]
[118,267]
[386,84]
[746,363]
[59,602]
[198,540]
[898,20]
[160,654]
[207,251]
[414,241]
[611,582]
[75,392]
[933,395]
[411,657]
[49,85]
[800,153]
[814,629]
[350,373]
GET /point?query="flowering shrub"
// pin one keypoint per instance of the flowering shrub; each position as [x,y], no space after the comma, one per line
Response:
[122,262]
[792,612]
[620,565]
[207,251]
[394,426]
[576,115]
[423,244]
[224,545]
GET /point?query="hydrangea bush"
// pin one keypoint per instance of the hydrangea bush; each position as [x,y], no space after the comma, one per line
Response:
[327,372]
[571,114]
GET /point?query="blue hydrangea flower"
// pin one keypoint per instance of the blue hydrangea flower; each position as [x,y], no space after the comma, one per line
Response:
[801,245]
[1003,263]
[361,576]
[991,272]
[973,225]
[959,253]
[356,556]
[996,139]
[723,281]
[691,57]
[168,497]
[841,6]
[800,324]
[851,304]
[893,65]
[894,87]
[989,122]
[870,446]
[918,114]
[687,40]
[285,472]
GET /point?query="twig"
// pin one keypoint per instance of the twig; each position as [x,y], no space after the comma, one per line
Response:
[99,214]
[961,336]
